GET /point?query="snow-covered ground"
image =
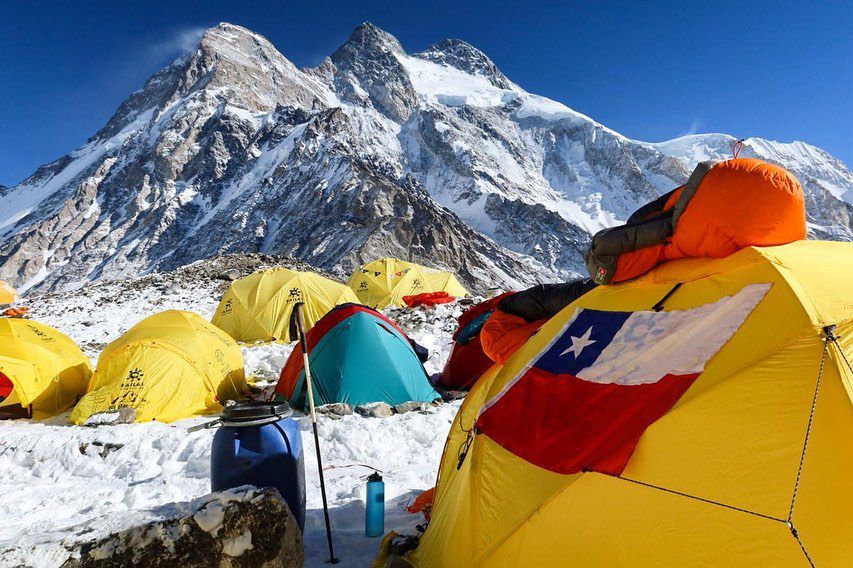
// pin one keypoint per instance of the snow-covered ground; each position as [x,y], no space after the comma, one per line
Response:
[60,483]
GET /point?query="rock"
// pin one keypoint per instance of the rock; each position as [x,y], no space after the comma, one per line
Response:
[466,57]
[103,449]
[451,395]
[335,410]
[242,527]
[368,63]
[123,415]
[94,346]
[231,274]
[374,410]
[410,406]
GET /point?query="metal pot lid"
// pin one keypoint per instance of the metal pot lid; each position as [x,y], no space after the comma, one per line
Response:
[255,410]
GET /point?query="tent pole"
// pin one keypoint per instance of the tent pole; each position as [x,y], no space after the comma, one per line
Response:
[300,324]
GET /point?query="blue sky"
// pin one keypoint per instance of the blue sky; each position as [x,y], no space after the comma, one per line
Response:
[650,71]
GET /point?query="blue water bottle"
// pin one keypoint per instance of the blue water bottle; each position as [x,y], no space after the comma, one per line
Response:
[374,514]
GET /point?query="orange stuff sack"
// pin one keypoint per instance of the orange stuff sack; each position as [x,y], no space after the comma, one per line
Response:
[18,312]
[504,333]
[423,504]
[722,208]
[428,299]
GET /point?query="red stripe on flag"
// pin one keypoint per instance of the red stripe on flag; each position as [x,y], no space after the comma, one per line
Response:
[6,386]
[566,424]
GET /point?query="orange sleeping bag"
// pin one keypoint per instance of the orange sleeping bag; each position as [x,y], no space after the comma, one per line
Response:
[722,208]
[504,333]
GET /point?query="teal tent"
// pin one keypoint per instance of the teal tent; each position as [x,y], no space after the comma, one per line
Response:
[357,356]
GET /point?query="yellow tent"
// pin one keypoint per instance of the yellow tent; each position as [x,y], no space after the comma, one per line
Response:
[8,295]
[749,467]
[169,366]
[384,282]
[258,307]
[40,368]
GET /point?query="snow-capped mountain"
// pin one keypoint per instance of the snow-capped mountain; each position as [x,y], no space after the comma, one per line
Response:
[435,156]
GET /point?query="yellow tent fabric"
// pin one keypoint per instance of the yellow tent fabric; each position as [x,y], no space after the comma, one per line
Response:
[751,467]
[49,372]
[169,366]
[8,295]
[258,307]
[384,282]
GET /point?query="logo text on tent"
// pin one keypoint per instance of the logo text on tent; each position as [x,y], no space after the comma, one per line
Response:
[41,335]
[295,295]
[130,387]
[227,308]
[224,367]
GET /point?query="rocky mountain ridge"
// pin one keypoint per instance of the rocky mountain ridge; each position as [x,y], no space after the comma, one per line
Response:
[436,157]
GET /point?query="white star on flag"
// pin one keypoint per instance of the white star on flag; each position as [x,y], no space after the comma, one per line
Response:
[579,344]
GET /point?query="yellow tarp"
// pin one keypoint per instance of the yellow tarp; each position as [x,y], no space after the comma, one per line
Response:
[8,295]
[47,369]
[169,366]
[386,281]
[714,482]
[258,307]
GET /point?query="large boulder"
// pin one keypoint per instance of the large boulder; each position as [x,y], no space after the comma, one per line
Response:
[243,527]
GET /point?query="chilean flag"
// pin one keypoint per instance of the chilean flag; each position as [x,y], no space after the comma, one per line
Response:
[585,399]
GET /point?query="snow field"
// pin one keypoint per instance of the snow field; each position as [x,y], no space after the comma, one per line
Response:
[61,483]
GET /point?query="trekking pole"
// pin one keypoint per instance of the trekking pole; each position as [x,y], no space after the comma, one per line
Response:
[300,325]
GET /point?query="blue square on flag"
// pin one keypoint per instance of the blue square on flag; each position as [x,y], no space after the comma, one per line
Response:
[582,342]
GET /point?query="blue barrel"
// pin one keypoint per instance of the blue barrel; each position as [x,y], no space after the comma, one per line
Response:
[258,444]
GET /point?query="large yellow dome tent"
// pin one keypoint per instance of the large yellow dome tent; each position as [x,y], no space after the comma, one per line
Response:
[749,466]
[258,307]
[386,281]
[40,368]
[169,366]
[8,295]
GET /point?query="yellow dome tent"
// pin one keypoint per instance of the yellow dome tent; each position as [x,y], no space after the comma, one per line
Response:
[258,307]
[169,366]
[40,368]
[749,466]
[8,295]
[384,282]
